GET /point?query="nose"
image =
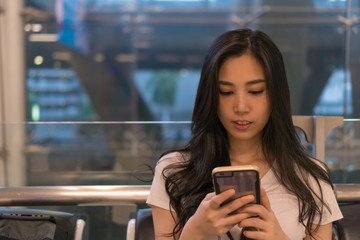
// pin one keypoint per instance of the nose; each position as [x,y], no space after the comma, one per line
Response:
[241,104]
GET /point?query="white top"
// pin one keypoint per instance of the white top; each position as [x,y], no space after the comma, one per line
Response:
[283,203]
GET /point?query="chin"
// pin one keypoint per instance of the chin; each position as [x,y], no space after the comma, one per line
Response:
[246,137]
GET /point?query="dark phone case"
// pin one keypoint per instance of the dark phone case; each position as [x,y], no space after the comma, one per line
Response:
[257,193]
[257,185]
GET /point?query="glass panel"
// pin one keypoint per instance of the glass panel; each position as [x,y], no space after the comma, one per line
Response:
[313,49]
[91,153]
[100,153]
[343,143]
[109,53]
[112,51]
[342,152]
[140,61]
[354,59]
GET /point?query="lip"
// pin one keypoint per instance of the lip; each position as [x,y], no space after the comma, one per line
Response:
[242,124]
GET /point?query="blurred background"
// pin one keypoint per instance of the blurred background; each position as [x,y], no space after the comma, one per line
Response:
[93,91]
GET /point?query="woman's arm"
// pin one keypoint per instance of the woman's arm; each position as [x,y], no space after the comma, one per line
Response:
[163,223]
[324,232]
[210,219]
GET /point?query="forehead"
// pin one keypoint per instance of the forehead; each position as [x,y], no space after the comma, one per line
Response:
[242,68]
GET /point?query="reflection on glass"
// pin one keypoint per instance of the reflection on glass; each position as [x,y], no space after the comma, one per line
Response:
[97,153]
[342,152]
[122,60]
[56,94]
[332,99]
[170,94]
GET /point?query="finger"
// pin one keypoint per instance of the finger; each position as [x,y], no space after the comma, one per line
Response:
[255,210]
[221,197]
[253,222]
[254,234]
[264,199]
[209,196]
[230,226]
[236,218]
[238,203]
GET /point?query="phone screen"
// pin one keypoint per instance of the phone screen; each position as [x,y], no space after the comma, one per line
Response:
[244,182]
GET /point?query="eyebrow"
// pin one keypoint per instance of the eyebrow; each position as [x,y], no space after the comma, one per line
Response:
[252,82]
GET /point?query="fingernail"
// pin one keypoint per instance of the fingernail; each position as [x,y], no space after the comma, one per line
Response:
[250,197]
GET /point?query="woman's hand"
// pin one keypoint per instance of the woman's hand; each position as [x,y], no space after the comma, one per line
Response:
[212,219]
[267,224]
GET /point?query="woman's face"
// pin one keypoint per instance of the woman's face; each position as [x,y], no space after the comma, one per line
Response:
[244,107]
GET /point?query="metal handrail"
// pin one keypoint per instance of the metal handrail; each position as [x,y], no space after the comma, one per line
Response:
[103,195]
[347,192]
[100,195]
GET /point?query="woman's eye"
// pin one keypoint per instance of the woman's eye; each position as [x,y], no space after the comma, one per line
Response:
[226,93]
[256,92]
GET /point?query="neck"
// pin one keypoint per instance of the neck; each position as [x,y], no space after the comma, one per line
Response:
[244,156]
[245,151]
[248,153]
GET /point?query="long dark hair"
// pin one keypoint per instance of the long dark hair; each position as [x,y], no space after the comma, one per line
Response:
[189,181]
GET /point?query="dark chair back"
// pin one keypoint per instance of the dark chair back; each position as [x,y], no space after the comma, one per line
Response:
[144,228]
[348,228]
[36,224]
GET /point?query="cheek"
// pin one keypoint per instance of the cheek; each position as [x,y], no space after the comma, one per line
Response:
[264,108]
[222,106]
[222,111]
[267,110]
[267,103]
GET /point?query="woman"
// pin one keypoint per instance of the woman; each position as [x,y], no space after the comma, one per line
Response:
[242,116]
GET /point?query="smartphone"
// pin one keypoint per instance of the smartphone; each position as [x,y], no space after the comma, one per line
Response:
[244,179]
